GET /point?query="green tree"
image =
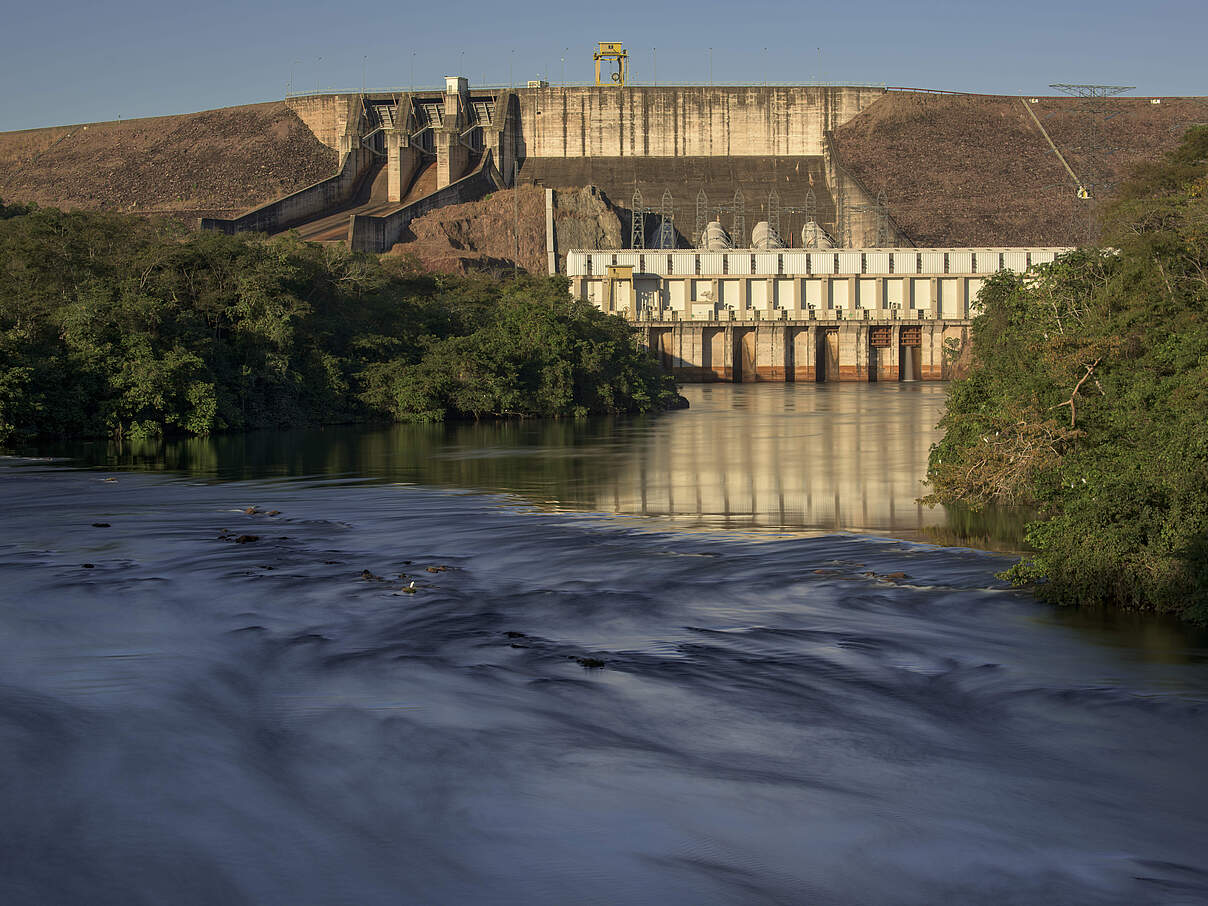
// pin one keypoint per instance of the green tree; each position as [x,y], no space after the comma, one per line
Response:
[1087,400]
[113,325]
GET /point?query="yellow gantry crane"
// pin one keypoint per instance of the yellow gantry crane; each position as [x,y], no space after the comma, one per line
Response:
[612,50]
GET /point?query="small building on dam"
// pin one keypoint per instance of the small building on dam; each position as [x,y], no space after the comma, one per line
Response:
[875,314]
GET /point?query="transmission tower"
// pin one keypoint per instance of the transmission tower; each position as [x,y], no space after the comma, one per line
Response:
[738,230]
[1094,148]
[737,209]
[666,237]
[637,231]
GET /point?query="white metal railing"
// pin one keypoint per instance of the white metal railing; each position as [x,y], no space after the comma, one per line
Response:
[877,262]
[629,83]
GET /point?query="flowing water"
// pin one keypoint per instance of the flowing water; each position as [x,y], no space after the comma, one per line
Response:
[702,658]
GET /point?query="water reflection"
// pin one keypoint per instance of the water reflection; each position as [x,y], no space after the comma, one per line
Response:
[846,457]
[779,457]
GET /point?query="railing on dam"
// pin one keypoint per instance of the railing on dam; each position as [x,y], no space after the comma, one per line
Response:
[629,83]
[874,284]
[797,262]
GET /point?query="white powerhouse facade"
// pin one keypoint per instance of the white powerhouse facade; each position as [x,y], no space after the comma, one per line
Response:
[787,284]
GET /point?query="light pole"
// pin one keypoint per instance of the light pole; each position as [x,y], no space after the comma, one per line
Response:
[710,67]
[291,73]
[511,60]
[318,69]
[461,64]
[364,69]
[654,56]
[413,72]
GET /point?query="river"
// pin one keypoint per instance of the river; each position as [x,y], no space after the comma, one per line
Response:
[708,657]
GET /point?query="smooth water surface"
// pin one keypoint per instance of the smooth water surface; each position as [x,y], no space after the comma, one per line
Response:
[753,457]
[262,670]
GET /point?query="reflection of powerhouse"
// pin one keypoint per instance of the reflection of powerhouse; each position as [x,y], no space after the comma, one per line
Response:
[612,50]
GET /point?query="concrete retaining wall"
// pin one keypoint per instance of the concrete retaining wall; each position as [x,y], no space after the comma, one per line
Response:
[329,116]
[371,233]
[303,205]
[684,121]
[507,143]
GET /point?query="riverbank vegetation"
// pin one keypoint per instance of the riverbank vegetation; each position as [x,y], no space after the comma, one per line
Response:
[1088,399]
[114,325]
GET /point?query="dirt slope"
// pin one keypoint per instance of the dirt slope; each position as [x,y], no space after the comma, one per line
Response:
[972,170]
[218,162]
[482,235]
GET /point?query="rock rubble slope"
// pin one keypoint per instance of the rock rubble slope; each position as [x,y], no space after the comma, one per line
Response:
[217,162]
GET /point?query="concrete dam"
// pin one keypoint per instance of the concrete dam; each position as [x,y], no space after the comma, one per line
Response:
[812,279]
[691,153]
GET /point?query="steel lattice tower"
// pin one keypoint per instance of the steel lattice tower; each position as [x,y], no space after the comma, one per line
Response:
[666,237]
[1094,149]
[637,231]
[739,222]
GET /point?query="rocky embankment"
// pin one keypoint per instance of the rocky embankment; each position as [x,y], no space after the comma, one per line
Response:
[218,162]
[974,170]
[507,229]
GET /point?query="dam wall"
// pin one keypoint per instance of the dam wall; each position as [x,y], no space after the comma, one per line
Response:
[950,169]
[707,148]
[685,121]
[694,186]
[331,117]
[697,153]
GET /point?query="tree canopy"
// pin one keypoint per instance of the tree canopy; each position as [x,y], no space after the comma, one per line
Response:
[115,325]
[1088,400]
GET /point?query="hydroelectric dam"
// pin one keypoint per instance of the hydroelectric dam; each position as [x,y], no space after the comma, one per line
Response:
[741,241]
[708,149]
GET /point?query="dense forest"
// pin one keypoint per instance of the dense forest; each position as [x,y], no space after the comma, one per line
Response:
[119,326]
[1088,400]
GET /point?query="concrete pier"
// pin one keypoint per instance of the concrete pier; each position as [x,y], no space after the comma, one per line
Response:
[807,351]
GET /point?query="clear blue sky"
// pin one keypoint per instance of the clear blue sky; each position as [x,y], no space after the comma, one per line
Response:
[69,62]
